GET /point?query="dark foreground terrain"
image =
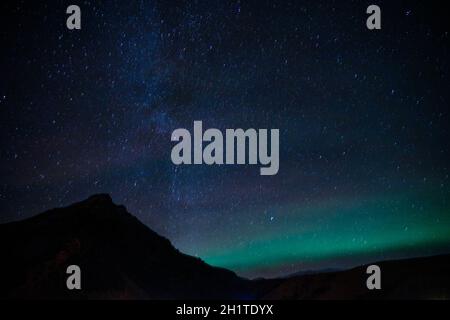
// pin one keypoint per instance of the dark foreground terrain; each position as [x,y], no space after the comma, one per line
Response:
[121,258]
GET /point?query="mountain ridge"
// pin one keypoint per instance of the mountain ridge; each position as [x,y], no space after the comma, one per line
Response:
[122,258]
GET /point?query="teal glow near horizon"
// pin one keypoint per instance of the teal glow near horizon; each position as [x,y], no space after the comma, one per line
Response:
[345,228]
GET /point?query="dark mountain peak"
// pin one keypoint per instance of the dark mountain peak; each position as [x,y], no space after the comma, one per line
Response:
[100,198]
[120,257]
[101,202]
[96,212]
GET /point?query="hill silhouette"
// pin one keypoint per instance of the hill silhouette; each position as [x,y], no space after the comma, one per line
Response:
[121,258]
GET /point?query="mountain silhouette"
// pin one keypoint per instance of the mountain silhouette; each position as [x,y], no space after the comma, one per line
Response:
[121,258]
[426,278]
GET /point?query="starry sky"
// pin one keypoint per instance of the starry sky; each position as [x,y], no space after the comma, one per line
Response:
[363,119]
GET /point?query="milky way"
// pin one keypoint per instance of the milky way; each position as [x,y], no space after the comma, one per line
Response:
[363,119]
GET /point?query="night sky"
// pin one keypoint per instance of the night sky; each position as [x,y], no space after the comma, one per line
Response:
[363,119]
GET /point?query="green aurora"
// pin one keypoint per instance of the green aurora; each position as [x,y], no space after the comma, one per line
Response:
[370,227]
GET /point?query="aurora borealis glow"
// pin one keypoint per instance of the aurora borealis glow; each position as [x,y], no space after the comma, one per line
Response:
[363,119]
[349,229]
